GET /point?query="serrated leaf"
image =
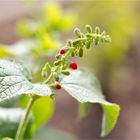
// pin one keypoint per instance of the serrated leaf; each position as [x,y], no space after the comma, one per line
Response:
[9,122]
[86,88]
[15,80]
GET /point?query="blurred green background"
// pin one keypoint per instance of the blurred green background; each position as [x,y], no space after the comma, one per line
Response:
[117,64]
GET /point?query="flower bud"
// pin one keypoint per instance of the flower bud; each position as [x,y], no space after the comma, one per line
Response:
[57,87]
[73,66]
[77,32]
[62,51]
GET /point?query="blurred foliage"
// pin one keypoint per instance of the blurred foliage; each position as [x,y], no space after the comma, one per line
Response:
[83,110]
[7,138]
[4,52]
[120,19]
[53,134]
[9,121]
[41,35]
[9,103]
[44,27]
[43,106]
[50,19]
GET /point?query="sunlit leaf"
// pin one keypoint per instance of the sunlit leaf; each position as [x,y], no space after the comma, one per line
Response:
[86,88]
[15,80]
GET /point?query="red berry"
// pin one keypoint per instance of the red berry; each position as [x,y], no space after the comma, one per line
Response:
[62,51]
[73,66]
[57,87]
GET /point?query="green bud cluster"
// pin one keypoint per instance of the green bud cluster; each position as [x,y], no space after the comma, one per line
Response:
[74,48]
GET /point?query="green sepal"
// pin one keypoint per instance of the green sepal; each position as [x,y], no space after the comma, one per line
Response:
[46,69]
[77,32]
[72,54]
[65,72]
[88,28]
[70,43]
[81,52]
[97,30]
[97,40]
[56,63]
[58,56]
[88,44]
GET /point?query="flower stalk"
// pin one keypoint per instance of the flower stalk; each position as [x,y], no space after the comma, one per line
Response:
[60,66]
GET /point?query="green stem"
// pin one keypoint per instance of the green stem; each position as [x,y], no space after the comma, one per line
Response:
[48,79]
[51,76]
[24,121]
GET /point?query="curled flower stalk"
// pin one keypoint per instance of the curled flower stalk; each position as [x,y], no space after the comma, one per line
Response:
[73,48]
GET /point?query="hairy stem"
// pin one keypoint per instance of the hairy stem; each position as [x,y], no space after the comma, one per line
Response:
[48,79]
[56,69]
[24,121]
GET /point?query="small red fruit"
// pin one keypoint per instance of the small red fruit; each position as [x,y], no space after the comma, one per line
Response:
[73,66]
[57,87]
[62,51]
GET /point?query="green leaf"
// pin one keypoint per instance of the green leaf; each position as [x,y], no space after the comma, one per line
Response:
[46,69]
[15,80]
[86,88]
[83,110]
[42,112]
[109,118]
[9,122]
[10,103]
[81,52]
